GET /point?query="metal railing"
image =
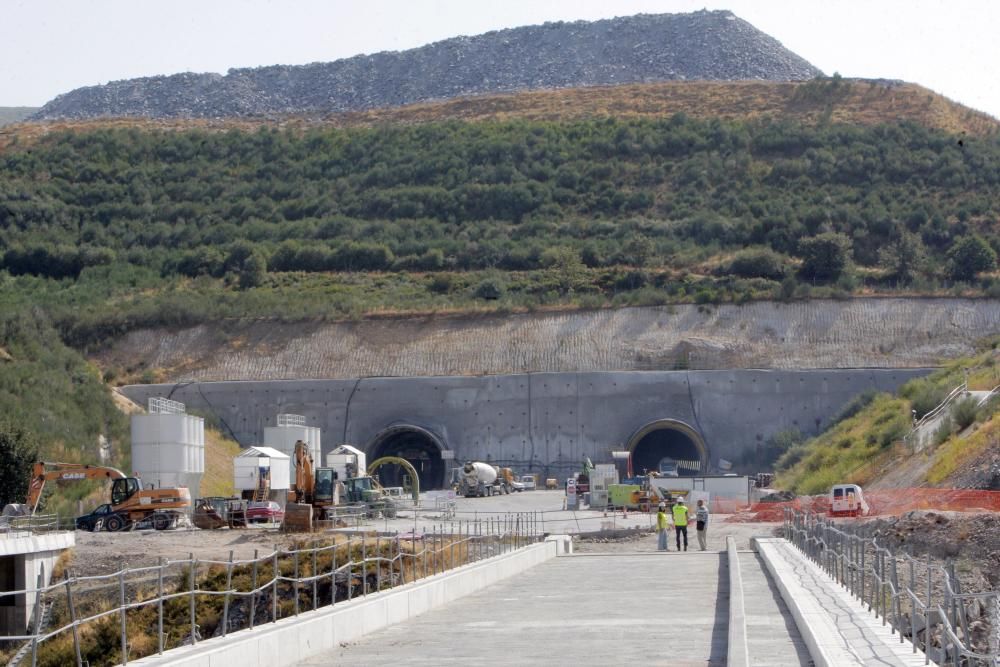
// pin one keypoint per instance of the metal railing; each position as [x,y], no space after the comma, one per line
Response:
[917,597]
[960,390]
[16,526]
[238,594]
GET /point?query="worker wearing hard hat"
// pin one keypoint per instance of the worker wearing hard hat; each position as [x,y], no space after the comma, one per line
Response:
[661,528]
[681,523]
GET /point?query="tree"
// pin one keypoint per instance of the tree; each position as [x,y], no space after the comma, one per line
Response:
[824,256]
[969,256]
[638,250]
[904,257]
[253,271]
[18,452]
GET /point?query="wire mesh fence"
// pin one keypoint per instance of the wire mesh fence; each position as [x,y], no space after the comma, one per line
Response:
[113,618]
[919,598]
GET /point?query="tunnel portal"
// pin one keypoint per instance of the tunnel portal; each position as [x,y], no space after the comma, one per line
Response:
[418,446]
[672,440]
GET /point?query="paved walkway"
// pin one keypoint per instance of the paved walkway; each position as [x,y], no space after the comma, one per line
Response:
[615,609]
[842,629]
[772,638]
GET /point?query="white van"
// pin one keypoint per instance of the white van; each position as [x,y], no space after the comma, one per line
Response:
[847,500]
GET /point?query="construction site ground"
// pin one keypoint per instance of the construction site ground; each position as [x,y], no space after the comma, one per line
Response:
[97,553]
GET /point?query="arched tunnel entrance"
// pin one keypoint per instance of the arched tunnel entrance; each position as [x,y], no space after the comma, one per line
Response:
[418,446]
[668,440]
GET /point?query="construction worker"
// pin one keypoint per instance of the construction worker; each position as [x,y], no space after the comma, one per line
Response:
[681,523]
[661,528]
[701,524]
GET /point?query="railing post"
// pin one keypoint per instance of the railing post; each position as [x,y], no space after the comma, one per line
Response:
[274,584]
[333,572]
[350,569]
[313,575]
[378,562]
[72,619]
[253,594]
[229,588]
[121,614]
[38,619]
[159,607]
[364,565]
[191,579]
[295,582]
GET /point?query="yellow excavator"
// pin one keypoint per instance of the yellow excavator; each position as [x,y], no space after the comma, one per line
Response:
[130,503]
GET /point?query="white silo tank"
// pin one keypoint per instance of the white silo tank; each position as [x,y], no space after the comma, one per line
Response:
[168,446]
[290,429]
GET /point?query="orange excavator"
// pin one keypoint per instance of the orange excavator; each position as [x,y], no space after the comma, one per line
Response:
[130,503]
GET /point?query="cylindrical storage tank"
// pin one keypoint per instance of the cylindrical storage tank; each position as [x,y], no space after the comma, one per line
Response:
[290,429]
[483,472]
[168,447]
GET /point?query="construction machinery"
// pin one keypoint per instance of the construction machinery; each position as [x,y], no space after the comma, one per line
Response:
[480,479]
[130,503]
[316,492]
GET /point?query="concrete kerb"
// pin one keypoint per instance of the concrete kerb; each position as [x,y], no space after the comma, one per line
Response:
[738,653]
[812,622]
[292,640]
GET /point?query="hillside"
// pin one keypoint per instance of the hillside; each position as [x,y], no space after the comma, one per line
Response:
[873,443]
[859,333]
[848,101]
[643,48]
[9,115]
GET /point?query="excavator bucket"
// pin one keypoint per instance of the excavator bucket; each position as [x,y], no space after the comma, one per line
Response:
[298,518]
[207,518]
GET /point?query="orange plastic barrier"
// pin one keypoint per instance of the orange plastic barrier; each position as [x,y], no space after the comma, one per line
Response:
[885,502]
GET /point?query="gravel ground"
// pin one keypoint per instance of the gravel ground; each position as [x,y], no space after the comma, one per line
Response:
[596,532]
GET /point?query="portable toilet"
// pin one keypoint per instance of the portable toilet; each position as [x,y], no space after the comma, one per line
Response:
[255,465]
[291,429]
[168,446]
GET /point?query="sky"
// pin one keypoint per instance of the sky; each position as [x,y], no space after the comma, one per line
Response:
[48,47]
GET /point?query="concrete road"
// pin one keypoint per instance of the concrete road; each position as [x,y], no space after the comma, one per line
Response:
[648,609]
[772,638]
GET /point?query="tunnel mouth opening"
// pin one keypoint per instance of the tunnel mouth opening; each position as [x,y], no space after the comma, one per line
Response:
[668,441]
[416,445]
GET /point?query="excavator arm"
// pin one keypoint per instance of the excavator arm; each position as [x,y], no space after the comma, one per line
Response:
[44,471]
[305,480]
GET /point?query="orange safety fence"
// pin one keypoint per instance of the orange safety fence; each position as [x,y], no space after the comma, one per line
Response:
[882,502]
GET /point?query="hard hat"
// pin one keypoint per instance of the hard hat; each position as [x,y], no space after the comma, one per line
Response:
[663,506]
[680,501]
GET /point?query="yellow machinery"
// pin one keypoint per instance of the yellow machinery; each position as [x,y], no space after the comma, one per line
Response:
[415,487]
[130,503]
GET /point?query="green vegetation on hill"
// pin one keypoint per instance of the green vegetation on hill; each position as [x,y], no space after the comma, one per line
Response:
[505,196]
[869,435]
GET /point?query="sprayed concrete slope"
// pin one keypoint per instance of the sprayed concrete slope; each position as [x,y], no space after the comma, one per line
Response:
[857,333]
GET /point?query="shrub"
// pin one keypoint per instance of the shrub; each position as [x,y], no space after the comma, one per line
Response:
[489,289]
[758,263]
[963,413]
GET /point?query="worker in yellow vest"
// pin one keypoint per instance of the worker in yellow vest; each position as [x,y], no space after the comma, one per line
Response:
[661,528]
[681,523]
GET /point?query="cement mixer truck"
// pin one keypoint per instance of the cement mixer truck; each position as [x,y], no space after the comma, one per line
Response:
[480,479]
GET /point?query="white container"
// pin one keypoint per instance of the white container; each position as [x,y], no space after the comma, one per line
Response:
[248,464]
[343,455]
[168,450]
[290,429]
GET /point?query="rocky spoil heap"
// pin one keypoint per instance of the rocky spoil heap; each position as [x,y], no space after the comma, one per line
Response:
[644,48]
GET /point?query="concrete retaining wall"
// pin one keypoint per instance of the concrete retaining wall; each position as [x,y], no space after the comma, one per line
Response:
[541,422]
[294,639]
